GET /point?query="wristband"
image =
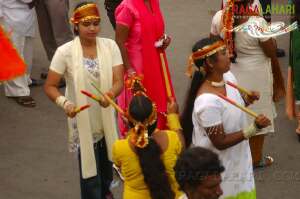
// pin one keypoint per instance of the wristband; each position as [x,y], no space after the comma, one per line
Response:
[250,131]
[60,101]
[173,122]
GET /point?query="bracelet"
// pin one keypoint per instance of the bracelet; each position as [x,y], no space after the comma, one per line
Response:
[173,122]
[250,131]
[60,101]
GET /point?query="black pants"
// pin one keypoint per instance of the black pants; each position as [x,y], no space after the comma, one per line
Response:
[97,187]
[110,6]
[264,4]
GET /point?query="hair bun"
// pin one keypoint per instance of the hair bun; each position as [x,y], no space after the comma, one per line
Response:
[134,83]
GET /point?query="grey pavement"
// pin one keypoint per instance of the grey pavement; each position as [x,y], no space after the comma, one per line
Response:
[35,162]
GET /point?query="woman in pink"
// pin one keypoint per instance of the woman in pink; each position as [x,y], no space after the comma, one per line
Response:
[140,25]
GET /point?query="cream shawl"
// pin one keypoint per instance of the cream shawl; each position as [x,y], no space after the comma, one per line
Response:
[104,56]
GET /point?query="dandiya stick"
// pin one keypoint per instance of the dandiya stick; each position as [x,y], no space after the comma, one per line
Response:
[79,109]
[246,110]
[239,88]
[109,100]
[94,97]
[166,77]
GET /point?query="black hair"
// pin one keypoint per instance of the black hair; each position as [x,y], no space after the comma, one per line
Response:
[193,165]
[152,166]
[297,12]
[197,81]
[237,7]
[76,32]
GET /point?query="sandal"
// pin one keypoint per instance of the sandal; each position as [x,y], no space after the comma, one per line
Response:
[25,101]
[265,162]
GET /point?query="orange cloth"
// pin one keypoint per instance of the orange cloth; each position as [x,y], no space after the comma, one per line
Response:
[11,64]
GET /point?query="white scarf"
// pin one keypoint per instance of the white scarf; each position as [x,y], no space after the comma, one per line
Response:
[88,162]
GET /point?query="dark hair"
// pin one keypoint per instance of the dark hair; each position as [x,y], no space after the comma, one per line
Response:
[297,12]
[193,165]
[197,81]
[237,7]
[153,168]
[76,32]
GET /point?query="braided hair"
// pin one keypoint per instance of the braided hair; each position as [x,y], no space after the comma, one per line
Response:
[197,80]
[152,166]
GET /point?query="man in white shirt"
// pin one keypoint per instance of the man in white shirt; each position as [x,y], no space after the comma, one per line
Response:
[18,19]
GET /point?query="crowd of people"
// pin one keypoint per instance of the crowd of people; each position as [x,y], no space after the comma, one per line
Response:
[208,151]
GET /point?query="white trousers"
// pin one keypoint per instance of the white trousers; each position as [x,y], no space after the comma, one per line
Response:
[24,46]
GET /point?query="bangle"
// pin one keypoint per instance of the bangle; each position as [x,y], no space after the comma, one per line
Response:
[250,131]
[60,101]
[173,122]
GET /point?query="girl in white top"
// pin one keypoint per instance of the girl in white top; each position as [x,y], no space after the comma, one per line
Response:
[256,57]
[85,60]
[217,125]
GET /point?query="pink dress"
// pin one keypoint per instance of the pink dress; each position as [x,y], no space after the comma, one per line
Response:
[145,28]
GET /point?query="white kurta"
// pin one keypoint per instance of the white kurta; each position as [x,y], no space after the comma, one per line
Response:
[18,16]
[210,110]
[19,20]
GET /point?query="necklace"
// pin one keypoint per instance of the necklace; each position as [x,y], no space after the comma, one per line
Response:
[217,84]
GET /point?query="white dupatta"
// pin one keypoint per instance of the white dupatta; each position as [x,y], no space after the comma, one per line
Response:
[88,162]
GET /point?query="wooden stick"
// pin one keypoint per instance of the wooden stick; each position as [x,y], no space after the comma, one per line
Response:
[167,81]
[79,109]
[109,100]
[246,110]
[241,89]
[94,97]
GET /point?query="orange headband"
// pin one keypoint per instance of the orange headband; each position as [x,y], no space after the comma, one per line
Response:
[202,53]
[207,51]
[85,13]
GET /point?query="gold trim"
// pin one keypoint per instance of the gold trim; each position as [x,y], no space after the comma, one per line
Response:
[85,13]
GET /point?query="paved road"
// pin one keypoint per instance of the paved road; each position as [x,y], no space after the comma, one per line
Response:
[35,164]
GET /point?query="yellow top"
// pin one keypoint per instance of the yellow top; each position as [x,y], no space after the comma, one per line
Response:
[127,160]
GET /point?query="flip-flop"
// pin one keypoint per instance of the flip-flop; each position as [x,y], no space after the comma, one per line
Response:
[265,162]
[25,101]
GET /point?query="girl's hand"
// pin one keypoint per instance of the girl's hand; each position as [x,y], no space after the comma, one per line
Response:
[69,109]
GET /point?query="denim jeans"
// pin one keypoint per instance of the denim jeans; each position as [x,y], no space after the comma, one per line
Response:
[98,186]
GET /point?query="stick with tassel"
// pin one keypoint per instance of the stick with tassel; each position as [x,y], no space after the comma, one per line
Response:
[79,109]
[109,100]
[166,77]
[246,110]
[241,89]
